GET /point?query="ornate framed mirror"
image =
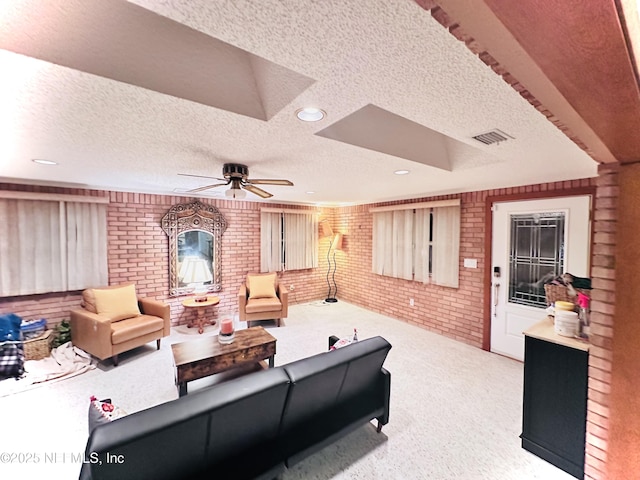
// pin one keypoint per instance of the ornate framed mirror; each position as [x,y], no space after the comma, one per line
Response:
[195,235]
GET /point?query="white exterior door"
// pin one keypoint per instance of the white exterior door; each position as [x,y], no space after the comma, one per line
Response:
[533,240]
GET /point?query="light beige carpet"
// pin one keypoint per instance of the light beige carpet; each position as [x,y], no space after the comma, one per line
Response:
[455,409]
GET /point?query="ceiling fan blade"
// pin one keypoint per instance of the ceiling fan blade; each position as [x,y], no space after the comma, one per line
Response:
[207,187]
[257,191]
[267,181]
[200,176]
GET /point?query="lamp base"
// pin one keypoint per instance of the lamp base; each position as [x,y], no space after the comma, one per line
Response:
[330,300]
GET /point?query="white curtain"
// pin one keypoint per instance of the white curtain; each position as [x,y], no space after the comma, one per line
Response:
[35,247]
[421,245]
[300,241]
[293,246]
[382,255]
[446,246]
[87,245]
[270,242]
[402,244]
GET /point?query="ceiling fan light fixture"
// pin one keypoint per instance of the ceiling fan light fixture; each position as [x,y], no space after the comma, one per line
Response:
[236,175]
[310,114]
[235,193]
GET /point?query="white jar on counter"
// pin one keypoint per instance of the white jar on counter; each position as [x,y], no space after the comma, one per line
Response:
[567,323]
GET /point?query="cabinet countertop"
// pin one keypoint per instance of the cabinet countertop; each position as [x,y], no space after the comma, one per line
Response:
[544,330]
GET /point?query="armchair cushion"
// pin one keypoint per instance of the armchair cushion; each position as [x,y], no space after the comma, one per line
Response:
[255,305]
[117,303]
[262,286]
[134,327]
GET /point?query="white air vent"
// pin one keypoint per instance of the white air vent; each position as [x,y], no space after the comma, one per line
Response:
[493,136]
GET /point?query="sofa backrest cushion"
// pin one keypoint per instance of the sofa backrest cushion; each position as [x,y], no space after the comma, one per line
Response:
[246,428]
[262,285]
[321,382]
[364,368]
[117,303]
[153,443]
[202,430]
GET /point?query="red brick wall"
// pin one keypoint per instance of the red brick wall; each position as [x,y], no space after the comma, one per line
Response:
[460,314]
[138,252]
[602,315]
[456,313]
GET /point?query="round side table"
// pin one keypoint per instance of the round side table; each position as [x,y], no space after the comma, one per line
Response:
[200,310]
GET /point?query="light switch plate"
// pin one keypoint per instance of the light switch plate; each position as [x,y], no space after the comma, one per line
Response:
[470,263]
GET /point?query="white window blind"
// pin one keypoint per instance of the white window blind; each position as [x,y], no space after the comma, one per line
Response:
[52,245]
[383,243]
[271,242]
[402,251]
[421,244]
[288,241]
[446,246]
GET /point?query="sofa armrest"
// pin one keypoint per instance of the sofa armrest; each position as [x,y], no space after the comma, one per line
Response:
[242,302]
[150,306]
[283,295]
[386,392]
[91,332]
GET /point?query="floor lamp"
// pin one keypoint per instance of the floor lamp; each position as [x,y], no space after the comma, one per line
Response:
[327,231]
[337,245]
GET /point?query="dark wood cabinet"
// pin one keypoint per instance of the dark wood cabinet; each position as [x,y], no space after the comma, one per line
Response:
[554,413]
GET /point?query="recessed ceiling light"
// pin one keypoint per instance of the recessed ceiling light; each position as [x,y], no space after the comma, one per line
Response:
[310,192]
[42,161]
[310,114]
[401,172]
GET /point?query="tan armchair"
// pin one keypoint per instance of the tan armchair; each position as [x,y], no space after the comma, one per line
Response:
[261,297]
[113,320]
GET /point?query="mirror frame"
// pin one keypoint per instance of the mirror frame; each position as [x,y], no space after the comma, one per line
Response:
[185,217]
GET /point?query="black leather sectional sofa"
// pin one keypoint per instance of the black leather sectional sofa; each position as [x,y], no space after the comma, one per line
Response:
[253,427]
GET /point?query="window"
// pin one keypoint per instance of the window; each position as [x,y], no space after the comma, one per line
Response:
[536,253]
[52,244]
[288,240]
[418,242]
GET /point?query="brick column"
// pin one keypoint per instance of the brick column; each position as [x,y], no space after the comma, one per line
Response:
[624,402]
[602,308]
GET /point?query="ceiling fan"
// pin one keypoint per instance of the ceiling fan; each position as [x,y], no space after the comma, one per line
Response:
[237,175]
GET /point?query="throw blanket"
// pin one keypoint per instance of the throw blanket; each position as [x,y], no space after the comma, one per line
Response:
[64,362]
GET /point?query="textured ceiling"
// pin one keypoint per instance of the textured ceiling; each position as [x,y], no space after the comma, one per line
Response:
[106,132]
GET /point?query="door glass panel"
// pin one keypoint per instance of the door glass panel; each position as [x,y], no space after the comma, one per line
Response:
[536,256]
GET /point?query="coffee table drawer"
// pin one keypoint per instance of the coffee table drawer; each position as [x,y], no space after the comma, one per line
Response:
[213,365]
[206,356]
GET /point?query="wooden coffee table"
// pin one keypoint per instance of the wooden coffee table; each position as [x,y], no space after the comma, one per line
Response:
[206,356]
